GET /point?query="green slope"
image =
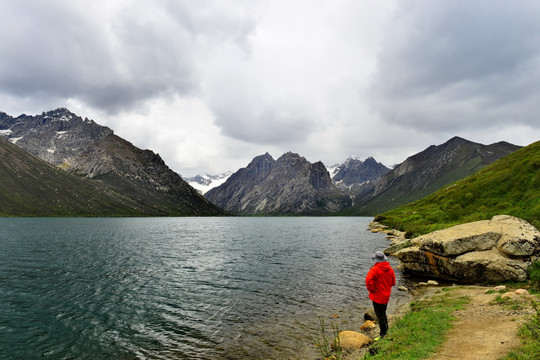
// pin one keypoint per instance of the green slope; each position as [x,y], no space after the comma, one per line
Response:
[426,172]
[510,185]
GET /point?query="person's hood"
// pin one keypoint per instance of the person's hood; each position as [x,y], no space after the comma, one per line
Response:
[385,265]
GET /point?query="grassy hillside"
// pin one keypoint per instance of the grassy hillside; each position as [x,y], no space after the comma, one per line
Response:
[426,172]
[510,186]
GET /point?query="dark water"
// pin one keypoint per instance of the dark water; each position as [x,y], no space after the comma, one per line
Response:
[179,288]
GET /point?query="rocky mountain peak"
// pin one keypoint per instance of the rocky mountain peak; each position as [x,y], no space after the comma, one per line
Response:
[355,172]
[290,185]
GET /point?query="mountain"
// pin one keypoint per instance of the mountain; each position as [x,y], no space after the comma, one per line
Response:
[354,174]
[87,149]
[510,186]
[289,185]
[204,183]
[426,172]
[33,187]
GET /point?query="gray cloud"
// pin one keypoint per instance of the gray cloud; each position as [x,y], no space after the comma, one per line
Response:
[110,55]
[446,66]
[211,84]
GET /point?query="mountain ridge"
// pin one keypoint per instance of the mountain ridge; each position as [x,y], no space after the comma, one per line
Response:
[33,187]
[84,148]
[425,172]
[289,185]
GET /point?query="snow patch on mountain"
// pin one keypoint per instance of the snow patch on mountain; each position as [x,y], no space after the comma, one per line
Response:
[203,183]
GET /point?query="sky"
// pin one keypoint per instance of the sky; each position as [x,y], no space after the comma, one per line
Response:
[209,85]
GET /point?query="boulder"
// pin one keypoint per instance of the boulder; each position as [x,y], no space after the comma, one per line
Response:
[459,239]
[496,250]
[352,340]
[370,315]
[368,325]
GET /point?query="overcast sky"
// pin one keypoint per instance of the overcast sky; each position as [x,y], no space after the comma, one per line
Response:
[211,84]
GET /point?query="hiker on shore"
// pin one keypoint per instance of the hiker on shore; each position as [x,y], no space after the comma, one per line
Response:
[379,282]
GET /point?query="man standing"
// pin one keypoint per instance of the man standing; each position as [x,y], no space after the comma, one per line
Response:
[379,282]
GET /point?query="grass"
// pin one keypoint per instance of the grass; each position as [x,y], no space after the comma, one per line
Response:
[329,348]
[530,338]
[421,331]
[529,332]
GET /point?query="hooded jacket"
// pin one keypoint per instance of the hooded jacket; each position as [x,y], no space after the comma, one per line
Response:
[379,282]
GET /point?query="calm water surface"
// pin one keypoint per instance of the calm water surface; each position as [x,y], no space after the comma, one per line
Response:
[179,288]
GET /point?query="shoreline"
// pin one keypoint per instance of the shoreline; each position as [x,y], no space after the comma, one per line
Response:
[500,320]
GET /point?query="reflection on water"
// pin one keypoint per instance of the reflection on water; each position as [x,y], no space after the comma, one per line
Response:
[194,288]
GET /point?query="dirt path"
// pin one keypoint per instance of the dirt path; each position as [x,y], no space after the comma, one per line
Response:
[482,331]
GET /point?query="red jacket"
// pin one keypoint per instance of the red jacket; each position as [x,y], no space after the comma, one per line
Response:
[379,282]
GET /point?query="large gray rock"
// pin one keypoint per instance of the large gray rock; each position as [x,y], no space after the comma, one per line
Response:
[500,249]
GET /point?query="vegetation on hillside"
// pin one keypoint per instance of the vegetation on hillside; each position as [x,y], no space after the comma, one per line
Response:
[509,186]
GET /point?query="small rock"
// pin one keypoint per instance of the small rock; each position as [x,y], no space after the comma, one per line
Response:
[368,325]
[352,340]
[370,315]
[403,288]
[508,295]
[522,292]
[422,284]
[499,288]
[432,282]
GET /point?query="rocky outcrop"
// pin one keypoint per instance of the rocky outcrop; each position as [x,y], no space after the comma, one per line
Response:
[290,185]
[500,249]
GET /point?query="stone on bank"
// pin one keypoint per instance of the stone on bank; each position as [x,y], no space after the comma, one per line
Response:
[500,249]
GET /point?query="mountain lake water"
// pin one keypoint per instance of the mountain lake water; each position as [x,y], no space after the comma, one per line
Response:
[181,288]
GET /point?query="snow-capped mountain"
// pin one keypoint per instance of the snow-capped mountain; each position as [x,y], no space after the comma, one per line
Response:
[355,171]
[203,183]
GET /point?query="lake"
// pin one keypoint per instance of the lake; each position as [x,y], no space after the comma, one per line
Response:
[180,288]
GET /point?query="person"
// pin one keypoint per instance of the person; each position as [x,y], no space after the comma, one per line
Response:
[379,281]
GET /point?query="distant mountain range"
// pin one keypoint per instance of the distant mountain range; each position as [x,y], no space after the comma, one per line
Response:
[204,183]
[348,176]
[84,148]
[290,185]
[107,175]
[354,174]
[371,186]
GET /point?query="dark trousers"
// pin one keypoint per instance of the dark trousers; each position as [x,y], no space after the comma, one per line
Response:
[380,311]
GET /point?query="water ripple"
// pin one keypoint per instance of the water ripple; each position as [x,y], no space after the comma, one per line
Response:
[180,288]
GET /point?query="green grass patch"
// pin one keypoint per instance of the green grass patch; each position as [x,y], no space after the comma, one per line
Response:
[507,302]
[421,331]
[530,338]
